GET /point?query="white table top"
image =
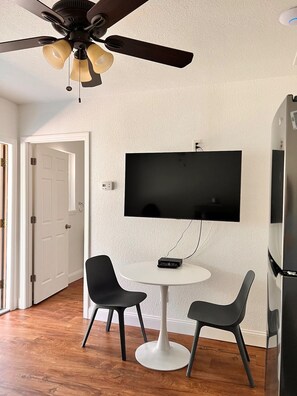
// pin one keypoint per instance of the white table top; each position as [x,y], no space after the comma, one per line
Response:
[147,272]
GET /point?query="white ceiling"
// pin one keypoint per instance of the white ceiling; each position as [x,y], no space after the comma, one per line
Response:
[231,40]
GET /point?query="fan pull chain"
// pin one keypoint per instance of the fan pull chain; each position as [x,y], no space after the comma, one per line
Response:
[79,98]
[69,87]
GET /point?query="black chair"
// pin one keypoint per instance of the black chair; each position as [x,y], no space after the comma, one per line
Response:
[105,292]
[224,317]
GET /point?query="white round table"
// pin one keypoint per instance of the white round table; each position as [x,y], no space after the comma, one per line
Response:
[163,354]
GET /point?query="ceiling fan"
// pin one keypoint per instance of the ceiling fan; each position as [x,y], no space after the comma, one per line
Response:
[82,23]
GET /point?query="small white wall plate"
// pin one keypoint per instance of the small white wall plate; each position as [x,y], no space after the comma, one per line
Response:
[107,185]
[289,17]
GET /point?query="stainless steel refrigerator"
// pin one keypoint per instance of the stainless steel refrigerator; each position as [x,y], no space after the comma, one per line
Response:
[281,356]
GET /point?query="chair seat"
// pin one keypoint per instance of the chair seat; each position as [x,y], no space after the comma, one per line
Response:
[213,314]
[119,299]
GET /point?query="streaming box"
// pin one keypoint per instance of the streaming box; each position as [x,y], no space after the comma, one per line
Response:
[169,262]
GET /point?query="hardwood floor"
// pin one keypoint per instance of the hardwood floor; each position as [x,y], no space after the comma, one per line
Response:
[41,354]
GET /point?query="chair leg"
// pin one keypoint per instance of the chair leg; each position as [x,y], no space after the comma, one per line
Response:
[246,352]
[141,322]
[242,348]
[122,332]
[194,347]
[90,326]
[109,319]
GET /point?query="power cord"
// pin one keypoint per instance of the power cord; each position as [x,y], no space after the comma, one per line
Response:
[179,238]
[198,242]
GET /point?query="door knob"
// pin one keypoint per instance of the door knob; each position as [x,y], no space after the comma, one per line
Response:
[67,226]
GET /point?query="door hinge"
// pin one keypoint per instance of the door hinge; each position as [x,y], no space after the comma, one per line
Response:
[1,284]
[3,162]
[33,161]
[3,223]
[33,220]
[33,278]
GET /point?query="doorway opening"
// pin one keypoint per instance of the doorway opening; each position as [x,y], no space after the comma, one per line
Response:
[55,143]
[3,225]
[8,224]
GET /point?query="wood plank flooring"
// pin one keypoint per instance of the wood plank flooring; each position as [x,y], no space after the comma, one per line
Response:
[41,354]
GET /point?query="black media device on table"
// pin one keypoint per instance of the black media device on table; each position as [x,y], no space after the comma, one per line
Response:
[169,262]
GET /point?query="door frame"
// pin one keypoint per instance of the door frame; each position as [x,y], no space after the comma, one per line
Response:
[12,210]
[25,287]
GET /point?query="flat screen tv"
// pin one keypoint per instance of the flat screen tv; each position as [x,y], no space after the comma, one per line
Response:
[184,185]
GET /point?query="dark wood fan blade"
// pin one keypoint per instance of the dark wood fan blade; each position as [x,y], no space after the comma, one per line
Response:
[25,43]
[113,10]
[96,78]
[148,51]
[41,10]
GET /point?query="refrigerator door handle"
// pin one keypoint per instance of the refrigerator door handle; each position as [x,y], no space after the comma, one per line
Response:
[277,270]
[273,265]
[289,273]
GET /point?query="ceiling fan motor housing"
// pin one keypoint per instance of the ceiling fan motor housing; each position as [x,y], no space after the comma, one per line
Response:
[74,13]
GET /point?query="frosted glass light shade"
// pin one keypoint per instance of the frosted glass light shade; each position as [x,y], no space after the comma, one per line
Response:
[101,60]
[80,71]
[57,53]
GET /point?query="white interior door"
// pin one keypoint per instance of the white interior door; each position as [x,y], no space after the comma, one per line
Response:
[50,202]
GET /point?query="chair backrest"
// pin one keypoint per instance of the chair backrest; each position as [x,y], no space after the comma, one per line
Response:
[241,300]
[101,278]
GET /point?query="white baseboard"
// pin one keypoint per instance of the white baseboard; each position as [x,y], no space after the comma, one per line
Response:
[251,337]
[74,276]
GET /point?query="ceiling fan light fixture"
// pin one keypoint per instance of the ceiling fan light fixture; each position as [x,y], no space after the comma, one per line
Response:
[57,53]
[80,70]
[101,60]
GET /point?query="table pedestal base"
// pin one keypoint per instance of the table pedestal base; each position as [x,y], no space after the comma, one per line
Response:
[176,357]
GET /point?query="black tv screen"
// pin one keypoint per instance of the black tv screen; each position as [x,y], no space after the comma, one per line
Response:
[185,185]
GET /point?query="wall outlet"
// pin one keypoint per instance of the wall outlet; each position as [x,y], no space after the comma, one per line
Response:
[197,145]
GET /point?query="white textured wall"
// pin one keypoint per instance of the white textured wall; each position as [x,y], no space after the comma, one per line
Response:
[9,119]
[229,116]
